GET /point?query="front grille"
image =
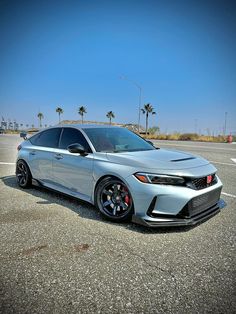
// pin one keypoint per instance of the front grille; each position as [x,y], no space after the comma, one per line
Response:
[201,183]
[200,203]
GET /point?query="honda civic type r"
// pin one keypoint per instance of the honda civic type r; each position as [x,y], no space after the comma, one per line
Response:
[122,174]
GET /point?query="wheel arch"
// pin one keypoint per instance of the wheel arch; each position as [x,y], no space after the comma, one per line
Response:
[111,175]
[27,176]
[22,159]
[123,181]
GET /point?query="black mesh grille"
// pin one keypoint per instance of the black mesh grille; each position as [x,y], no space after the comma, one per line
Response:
[200,203]
[201,183]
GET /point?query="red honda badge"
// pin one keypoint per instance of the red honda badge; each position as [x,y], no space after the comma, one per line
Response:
[209,179]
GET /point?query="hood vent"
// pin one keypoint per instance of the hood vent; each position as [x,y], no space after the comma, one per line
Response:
[183,159]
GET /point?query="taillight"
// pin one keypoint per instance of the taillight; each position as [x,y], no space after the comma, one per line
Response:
[19,147]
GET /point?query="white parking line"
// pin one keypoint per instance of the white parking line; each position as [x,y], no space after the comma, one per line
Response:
[227,194]
[7,163]
[222,163]
[8,148]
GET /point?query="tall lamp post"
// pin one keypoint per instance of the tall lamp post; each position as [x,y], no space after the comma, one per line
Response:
[140,97]
[225,123]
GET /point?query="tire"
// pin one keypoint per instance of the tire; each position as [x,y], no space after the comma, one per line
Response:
[113,199]
[23,175]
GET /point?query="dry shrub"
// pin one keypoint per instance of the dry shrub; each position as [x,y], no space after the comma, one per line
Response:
[188,137]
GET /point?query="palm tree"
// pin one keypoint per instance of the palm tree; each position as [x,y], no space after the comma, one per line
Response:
[147,109]
[40,116]
[82,111]
[110,115]
[59,111]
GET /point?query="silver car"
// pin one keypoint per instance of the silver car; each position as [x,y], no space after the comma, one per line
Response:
[122,174]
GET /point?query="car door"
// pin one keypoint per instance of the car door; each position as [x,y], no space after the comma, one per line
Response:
[73,173]
[41,154]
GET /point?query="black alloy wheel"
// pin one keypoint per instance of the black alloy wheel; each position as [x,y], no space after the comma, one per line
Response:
[23,174]
[114,199]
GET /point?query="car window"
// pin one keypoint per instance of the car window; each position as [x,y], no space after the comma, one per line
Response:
[48,138]
[116,140]
[72,136]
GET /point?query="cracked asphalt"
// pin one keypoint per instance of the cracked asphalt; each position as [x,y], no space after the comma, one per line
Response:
[58,255]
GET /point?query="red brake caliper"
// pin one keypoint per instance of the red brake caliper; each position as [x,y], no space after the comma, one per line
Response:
[127,199]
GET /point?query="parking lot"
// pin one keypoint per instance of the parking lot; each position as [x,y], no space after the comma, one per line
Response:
[58,255]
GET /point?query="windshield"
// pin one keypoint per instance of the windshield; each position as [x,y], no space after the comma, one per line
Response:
[116,140]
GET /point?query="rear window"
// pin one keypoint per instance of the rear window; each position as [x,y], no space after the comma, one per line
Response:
[48,138]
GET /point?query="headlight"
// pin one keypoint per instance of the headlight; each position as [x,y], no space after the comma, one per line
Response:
[159,179]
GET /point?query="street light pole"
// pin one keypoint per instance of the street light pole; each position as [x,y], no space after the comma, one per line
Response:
[225,123]
[140,97]
[139,107]
[195,125]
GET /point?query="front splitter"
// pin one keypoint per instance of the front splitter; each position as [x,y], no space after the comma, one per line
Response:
[174,222]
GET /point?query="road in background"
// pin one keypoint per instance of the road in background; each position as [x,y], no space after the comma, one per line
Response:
[219,154]
[58,255]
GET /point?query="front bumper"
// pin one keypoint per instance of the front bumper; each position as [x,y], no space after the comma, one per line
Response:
[175,206]
[176,221]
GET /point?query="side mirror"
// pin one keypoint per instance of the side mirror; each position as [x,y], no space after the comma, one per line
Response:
[24,135]
[76,149]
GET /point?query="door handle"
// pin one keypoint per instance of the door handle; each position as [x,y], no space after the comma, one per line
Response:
[33,152]
[58,156]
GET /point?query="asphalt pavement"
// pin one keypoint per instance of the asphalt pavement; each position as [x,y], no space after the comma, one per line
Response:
[58,255]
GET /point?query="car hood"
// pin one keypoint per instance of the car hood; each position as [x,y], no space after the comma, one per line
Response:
[159,159]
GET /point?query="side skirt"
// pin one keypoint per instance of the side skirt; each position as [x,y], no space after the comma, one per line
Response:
[38,183]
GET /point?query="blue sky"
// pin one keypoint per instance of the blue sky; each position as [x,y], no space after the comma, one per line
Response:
[72,53]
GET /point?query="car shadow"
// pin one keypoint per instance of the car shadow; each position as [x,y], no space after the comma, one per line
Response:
[84,209]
